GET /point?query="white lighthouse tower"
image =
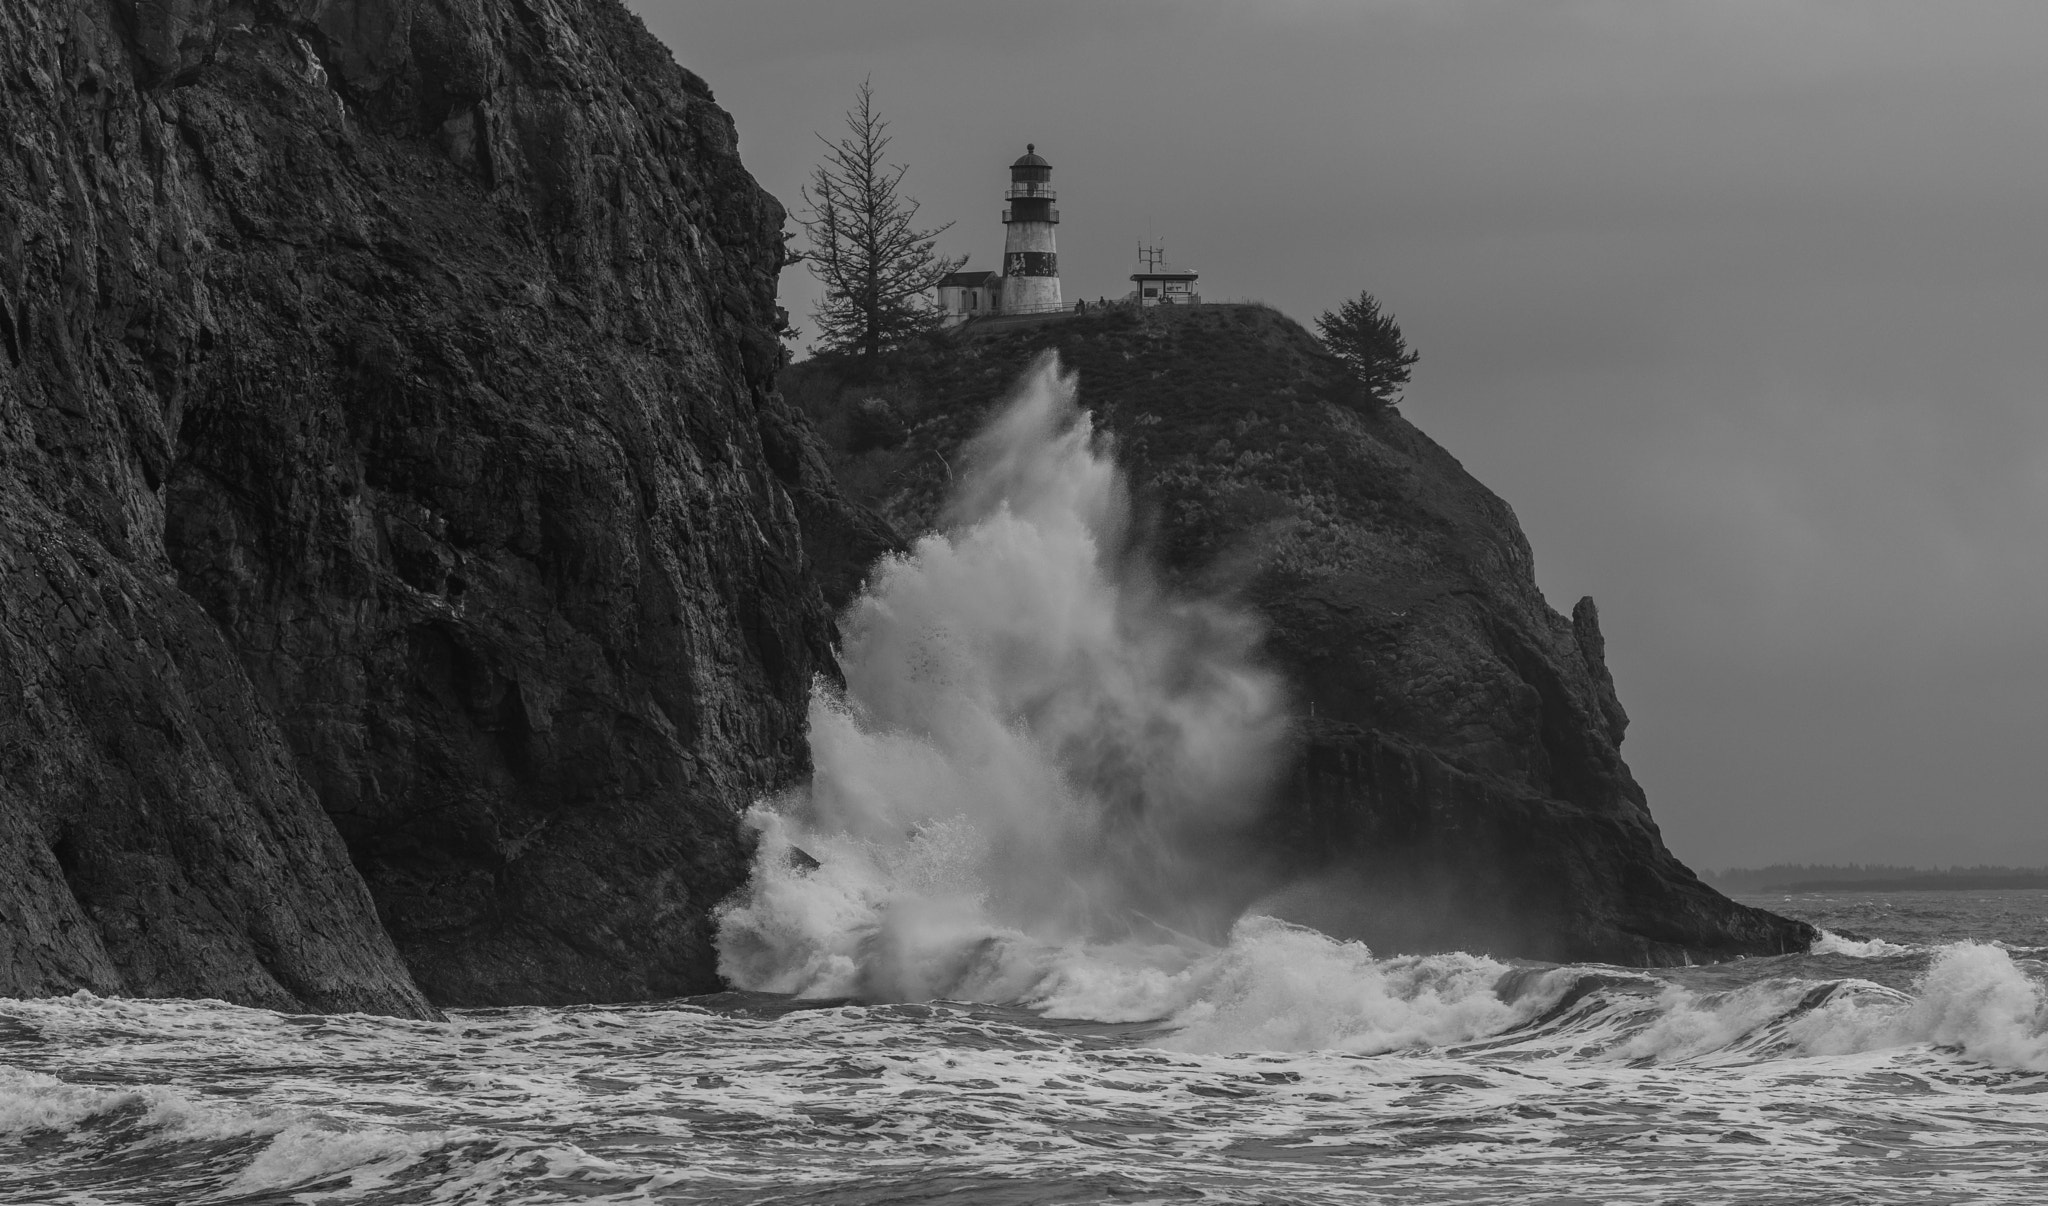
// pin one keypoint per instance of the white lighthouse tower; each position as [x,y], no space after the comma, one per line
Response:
[1031,261]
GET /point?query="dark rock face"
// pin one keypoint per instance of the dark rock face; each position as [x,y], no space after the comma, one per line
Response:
[1458,780]
[155,837]
[395,497]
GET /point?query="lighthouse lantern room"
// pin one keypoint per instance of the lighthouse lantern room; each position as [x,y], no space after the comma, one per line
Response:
[1031,262]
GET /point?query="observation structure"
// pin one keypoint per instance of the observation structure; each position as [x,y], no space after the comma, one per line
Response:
[1159,284]
[1031,261]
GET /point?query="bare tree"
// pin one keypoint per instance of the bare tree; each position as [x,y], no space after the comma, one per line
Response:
[866,249]
[1370,341]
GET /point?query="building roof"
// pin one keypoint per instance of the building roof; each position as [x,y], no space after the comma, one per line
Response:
[1031,157]
[1153,274]
[970,279]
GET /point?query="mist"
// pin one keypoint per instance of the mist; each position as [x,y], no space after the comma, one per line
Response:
[1037,785]
[1036,742]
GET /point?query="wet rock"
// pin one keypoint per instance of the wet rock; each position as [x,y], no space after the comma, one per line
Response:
[398,518]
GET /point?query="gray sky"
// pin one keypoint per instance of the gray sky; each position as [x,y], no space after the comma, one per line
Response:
[1743,306]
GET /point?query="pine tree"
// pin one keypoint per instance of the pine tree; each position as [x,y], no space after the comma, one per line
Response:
[1370,341]
[866,248]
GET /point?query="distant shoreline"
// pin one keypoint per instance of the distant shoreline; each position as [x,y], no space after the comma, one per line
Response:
[1911,883]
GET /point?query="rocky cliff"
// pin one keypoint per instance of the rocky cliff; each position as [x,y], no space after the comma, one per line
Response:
[1458,781]
[396,517]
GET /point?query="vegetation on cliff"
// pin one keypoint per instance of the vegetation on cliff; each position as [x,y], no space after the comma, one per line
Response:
[877,266]
[1366,337]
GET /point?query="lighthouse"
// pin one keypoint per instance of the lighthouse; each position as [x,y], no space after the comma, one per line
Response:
[1031,261]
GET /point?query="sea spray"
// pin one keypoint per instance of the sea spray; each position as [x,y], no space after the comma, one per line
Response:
[1974,997]
[1033,786]
[1038,745]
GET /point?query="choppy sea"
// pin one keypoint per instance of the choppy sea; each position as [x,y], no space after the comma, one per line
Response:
[1907,1064]
[968,940]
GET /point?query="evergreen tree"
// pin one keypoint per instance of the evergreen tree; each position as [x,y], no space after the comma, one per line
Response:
[866,248]
[1369,340]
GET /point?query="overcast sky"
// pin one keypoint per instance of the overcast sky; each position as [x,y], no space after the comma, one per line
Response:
[1743,306]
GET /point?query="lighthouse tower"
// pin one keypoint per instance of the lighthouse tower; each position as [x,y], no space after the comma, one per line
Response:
[1031,262]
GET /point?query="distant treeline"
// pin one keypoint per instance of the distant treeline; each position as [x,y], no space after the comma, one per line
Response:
[1873,877]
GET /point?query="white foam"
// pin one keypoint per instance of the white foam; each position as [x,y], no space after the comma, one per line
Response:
[31,1101]
[1973,996]
[1685,1025]
[643,1102]
[34,1101]
[1831,943]
[314,1149]
[1280,987]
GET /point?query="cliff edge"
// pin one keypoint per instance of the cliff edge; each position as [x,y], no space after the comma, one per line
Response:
[1457,779]
[397,522]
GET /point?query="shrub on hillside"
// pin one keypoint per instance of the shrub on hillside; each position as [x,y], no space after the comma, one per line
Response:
[1368,339]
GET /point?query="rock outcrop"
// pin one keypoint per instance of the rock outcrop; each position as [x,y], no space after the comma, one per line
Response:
[1458,781]
[396,514]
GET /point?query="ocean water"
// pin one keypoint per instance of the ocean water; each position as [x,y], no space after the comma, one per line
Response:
[2017,919]
[1909,1067]
[998,950]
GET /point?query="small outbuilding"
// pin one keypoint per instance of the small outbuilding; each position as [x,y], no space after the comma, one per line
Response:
[1160,285]
[968,294]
